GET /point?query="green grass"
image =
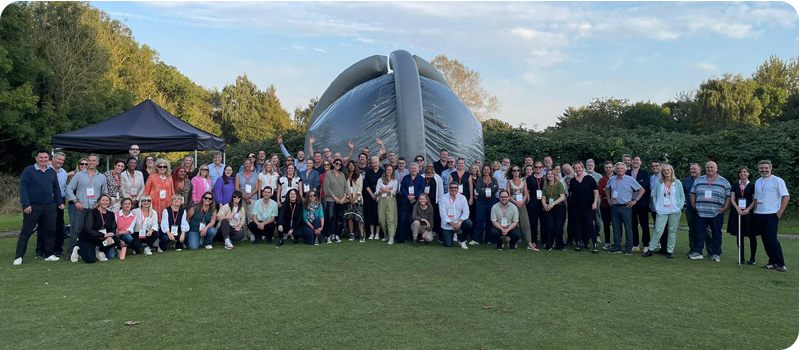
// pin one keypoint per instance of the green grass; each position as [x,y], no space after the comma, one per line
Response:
[374,296]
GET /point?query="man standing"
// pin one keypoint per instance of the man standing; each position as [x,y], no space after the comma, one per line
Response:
[441,165]
[772,197]
[709,196]
[451,168]
[134,152]
[58,247]
[39,195]
[401,170]
[548,164]
[642,208]
[318,163]
[84,190]
[535,186]
[528,161]
[597,177]
[299,162]
[392,160]
[620,195]
[626,158]
[216,168]
[500,175]
[691,212]
[505,222]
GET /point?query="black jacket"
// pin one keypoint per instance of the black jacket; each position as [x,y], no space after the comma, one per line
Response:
[643,178]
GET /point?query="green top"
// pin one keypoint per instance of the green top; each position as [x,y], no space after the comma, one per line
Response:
[553,192]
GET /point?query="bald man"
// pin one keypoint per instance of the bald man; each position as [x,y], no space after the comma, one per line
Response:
[710,197]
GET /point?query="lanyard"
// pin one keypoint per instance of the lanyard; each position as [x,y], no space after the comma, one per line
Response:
[90,177]
[764,183]
[116,177]
[505,212]
[145,216]
[203,215]
[538,182]
[518,182]
[175,216]
[293,206]
[264,207]
[427,180]
[617,180]
[709,181]
[742,187]
[667,188]
[133,180]
[102,217]
[552,188]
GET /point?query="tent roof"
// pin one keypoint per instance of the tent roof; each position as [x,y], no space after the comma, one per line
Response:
[147,125]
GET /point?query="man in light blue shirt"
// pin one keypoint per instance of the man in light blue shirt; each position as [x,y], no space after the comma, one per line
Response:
[216,168]
[620,189]
[299,162]
[451,167]
[84,190]
[262,223]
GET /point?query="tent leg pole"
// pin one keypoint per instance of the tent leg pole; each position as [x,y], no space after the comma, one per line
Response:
[196,164]
[224,161]
[107,161]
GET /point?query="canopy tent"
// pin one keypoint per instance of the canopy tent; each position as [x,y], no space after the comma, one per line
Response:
[147,125]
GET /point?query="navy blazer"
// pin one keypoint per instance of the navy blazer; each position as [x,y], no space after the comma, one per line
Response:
[643,178]
[312,180]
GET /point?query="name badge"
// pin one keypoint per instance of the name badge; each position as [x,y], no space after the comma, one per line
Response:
[90,192]
[142,233]
[173,229]
[102,230]
[667,202]
[743,203]
[162,194]
[183,201]
[306,188]
[504,222]
[451,213]
[538,194]
[410,190]
[383,195]
[615,194]
[427,189]
[519,197]
[134,191]
[202,226]
[248,188]
[236,216]
[461,189]
[352,190]
[488,192]
[551,200]
[707,194]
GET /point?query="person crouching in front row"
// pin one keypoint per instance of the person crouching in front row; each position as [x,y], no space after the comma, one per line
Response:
[98,234]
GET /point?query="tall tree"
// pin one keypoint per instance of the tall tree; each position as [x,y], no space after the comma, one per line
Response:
[683,109]
[601,113]
[727,101]
[647,114]
[466,84]
[303,116]
[249,114]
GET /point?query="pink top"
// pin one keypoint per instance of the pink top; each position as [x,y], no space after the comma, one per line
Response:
[126,223]
[199,187]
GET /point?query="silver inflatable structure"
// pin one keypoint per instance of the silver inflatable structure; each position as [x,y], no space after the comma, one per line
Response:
[412,109]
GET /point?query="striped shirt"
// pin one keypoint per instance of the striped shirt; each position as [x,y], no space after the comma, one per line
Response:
[710,197]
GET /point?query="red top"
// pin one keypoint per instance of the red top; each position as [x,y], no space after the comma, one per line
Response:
[601,187]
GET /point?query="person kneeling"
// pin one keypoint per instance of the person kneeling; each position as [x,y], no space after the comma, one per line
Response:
[505,222]
[422,216]
[98,234]
[173,225]
[265,210]
[454,210]
[202,217]
[231,220]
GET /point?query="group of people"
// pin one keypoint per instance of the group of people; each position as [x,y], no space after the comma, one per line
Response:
[145,206]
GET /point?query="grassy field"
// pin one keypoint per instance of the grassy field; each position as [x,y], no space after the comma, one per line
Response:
[374,296]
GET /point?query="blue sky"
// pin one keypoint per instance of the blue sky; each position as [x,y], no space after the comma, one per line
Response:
[537,57]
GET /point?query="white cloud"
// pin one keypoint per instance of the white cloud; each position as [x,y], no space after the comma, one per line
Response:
[317,49]
[298,47]
[366,40]
[706,66]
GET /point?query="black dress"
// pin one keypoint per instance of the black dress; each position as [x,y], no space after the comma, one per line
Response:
[733,217]
[371,179]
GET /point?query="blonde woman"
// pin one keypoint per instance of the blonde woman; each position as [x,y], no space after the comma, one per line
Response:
[201,184]
[269,177]
[669,198]
[159,187]
[146,228]
[385,193]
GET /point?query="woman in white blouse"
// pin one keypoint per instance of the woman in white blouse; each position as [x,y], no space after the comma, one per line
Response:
[146,228]
[289,181]
[269,177]
[132,182]
[385,192]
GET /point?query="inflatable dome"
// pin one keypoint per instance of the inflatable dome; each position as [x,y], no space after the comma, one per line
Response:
[412,109]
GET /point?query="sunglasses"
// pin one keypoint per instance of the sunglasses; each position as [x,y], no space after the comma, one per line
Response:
[206,198]
[419,160]
[146,200]
[162,166]
[454,188]
[337,164]
[84,164]
[312,195]
[537,167]
[237,196]
[204,169]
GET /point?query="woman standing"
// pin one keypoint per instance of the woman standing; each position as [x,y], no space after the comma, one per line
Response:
[230,219]
[98,234]
[290,218]
[668,199]
[269,177]
[202,217]
[224,188]
[290,180]
[371,178]
[434,190]
[246,183]
[326,167]
[183,186]
[519,195]
[385,192]
[188,165]
[159,187]
[173,225]
[353,211]
[146,229]
[132,182]
[471,190]
[313,219]
[583,202]
[114,184]
[201,184]
[555,212]
[422,217]
[486,197]
[334,201]
[742,204]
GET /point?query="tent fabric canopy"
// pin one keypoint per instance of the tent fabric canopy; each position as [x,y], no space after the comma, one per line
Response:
[147,125]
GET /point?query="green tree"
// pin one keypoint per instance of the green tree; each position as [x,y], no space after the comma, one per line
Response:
[601,113]
[647,114]
[725,102]
[303,116]
[250,114]
[683,110]
[466,84]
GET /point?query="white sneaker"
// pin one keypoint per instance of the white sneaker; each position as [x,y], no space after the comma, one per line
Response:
[384,239]
[455,237]
[75,256]
[228,244]
[100,255]
[252,238]
[147,251]
[464,245]
[646,249]
[362,240]
[328,240]
[338,240]
[52,258]
[372,236]
[17,261]
[208,246]
[391,241]
[178,249]
[473,242]
[160,250]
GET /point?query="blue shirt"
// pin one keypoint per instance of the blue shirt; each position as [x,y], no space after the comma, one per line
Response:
[215,174]
[624,188]
[62,180]
[687,189]
[37,187]
[419,187]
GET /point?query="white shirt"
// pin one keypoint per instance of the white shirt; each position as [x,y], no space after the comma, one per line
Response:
[460,209]
[500,176]
[149,223]
[286,186]
[165,221]
[392,184]
[270,180]
[769,192]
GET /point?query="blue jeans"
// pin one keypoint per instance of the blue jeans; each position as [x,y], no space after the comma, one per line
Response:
[193,238]
[466,230]
[715,223]
[111,253]
[483,223]
[621,215]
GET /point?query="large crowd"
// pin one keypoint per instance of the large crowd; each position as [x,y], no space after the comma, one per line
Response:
[141,206]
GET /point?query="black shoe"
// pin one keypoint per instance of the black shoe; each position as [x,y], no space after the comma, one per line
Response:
[269,241]
[648,254]
[751,262]
[669,255]
[280,243]
[614,251]
[662,251]
[415,243]
[258,240]
[295,240]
